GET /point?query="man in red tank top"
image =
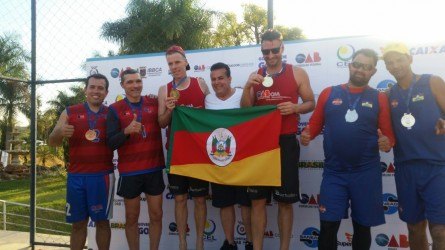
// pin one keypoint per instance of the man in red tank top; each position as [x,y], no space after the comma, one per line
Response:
[279,84]
[90,179]
[191,92]
[133,130]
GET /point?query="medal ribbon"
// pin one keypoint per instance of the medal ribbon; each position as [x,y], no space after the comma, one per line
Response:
[176,85]
[410,93]
[283,68]
[92,117]
[136,108]
[351,105]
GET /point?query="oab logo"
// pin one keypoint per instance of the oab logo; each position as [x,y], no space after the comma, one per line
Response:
[387,170]
[390,203]
[310,237]
[309,200]
[221,147]
[209,230]
[385,85]
[392,242]
[308,59]
[344,54]
[199,68]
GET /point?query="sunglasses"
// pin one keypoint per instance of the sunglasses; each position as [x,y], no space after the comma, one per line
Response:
[366,67]
[274,51]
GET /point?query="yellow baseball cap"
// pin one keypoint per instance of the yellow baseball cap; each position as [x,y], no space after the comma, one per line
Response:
[395,47]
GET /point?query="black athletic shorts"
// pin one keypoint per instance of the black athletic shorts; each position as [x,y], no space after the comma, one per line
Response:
[179,184]
[131,186]
[289,192]
[225,195]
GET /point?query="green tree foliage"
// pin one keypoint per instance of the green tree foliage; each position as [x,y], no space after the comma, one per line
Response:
[14,99]
[229,32]
[14,96]
[13,57]
[290,33]
[255,20]
[153,25]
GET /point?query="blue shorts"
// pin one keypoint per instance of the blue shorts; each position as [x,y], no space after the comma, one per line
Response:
[360,190]
[89,196]
[420,190]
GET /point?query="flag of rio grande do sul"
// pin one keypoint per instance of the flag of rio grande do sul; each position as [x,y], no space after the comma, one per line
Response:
[231,147]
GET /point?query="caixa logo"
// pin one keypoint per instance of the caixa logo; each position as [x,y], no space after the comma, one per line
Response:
[392,242]
[310,237]
[390,203]
[427,50]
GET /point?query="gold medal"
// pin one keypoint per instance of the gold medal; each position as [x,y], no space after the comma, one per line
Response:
[90,135]
[267,81]
[174,93]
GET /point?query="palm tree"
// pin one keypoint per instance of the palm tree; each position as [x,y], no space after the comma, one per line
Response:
[153,25]
[14,96]
[14,99]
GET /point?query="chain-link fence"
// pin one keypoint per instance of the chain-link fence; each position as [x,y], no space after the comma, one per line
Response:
[66,33]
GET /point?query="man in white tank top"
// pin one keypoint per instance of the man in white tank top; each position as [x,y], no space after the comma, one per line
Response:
[224,196]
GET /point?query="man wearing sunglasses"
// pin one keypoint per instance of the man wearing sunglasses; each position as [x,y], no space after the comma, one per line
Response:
[357,124]
[287,83]
[418,113]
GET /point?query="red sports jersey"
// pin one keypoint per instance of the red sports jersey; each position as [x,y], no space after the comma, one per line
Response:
[140,154]
[88,157]
[284,89]
[192,96]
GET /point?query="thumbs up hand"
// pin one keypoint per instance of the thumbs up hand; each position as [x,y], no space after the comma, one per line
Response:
[440,127]
[305,137]
[384,143]
[134,127]
[67,129]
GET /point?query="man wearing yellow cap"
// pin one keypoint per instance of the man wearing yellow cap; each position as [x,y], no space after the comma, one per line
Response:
[418,112]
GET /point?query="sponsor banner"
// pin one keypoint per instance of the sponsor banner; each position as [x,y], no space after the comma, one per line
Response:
[326,62]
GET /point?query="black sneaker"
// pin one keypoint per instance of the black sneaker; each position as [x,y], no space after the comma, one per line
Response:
[227,246]
[249,245]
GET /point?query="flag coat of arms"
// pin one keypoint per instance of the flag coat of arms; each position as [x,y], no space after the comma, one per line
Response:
[231,146]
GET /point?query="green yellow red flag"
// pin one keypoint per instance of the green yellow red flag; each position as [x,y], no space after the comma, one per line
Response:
[231,147]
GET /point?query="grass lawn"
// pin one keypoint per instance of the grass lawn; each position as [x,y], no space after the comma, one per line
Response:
[50,193]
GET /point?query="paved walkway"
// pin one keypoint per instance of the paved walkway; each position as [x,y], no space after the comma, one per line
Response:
[12,240]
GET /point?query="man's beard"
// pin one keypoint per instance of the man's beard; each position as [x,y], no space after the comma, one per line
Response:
[358,82]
